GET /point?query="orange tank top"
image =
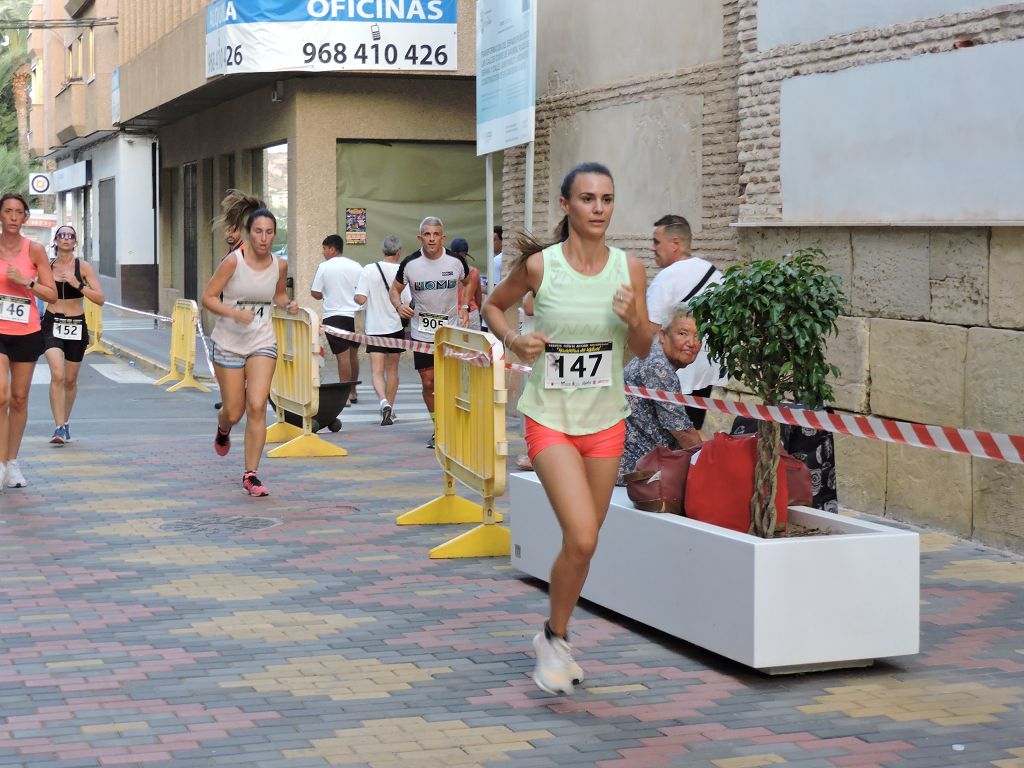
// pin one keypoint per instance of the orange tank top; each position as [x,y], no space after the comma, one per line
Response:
[19,314]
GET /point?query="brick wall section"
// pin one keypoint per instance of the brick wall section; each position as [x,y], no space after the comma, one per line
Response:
[761,74]
[936,333]
[715,82]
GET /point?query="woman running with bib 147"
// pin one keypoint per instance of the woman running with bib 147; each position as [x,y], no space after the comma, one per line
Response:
[588,306]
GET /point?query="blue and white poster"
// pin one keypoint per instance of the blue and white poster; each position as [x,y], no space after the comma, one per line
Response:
[506,73]
[330,35]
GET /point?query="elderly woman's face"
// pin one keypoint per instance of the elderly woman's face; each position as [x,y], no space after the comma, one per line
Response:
[680,342]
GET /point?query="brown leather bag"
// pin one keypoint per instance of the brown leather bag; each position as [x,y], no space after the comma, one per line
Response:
[658,482]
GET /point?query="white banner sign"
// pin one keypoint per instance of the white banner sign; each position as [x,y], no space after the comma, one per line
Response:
[506,73]
[330,35]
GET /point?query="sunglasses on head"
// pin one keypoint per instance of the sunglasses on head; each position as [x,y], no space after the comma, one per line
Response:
[67,236]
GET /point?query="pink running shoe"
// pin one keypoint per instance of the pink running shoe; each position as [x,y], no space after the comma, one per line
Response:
[252,484]
[222,442]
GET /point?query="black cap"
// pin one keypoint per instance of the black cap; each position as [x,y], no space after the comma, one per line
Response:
[459,245]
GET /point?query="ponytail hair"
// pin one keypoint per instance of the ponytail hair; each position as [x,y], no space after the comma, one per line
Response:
[528,244]
[235,209]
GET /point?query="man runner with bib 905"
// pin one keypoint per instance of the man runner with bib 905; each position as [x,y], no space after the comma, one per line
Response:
[433,275]
[589,305]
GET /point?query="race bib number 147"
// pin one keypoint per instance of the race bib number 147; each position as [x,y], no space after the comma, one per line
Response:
[577,365]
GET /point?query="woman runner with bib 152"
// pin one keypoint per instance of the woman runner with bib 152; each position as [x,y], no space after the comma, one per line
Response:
[24,277]
[65,334]
[247,285]
[588,306]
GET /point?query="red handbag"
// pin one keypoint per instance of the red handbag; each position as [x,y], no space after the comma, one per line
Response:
[657,482]
[720,485]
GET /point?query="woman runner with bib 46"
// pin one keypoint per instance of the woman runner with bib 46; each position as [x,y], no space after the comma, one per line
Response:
[247,285]
[588,306]
[24,276]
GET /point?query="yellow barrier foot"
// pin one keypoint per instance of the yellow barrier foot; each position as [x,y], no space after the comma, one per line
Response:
[97,347]
[445,510]
[282,432]
[482,541]
[188,381]
[306,446]
[172,376]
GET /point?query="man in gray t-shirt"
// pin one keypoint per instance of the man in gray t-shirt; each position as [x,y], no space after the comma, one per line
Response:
[433,275]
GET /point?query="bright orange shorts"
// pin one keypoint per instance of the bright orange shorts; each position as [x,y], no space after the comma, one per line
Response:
[606,444]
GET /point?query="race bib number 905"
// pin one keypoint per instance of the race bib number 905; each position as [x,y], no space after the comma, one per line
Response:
[15,309]
[430,323]
[578,365]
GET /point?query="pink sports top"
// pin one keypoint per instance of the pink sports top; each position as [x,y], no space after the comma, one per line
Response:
[18,318]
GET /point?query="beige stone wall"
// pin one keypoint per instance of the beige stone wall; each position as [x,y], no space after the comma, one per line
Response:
[664,121]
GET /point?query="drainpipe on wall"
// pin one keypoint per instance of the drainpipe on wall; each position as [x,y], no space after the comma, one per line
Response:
[155,181]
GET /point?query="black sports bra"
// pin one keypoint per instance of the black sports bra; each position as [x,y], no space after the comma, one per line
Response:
[66,290]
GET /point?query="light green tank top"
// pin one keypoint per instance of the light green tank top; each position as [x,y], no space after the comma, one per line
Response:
[576,386]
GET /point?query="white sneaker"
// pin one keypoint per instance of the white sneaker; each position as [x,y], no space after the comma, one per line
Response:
[14,477]
[3,476]
[554,657]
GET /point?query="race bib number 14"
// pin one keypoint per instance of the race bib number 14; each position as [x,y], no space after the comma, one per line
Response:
[578,365]
[260,310]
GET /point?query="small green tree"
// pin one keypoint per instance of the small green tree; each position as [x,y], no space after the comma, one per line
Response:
[767,323]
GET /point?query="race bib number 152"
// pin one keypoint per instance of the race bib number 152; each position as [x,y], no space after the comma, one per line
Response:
[577,365]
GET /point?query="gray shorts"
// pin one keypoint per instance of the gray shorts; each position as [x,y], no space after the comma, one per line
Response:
[227,359]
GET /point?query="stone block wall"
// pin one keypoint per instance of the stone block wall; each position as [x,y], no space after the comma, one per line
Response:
[936,332]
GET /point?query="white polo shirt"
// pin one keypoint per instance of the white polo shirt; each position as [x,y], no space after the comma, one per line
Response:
[336,279]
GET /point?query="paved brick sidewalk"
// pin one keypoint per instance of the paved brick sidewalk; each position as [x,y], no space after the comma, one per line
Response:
[147,618]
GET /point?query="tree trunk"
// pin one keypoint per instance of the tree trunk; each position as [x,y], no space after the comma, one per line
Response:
[762,504]
[19,87]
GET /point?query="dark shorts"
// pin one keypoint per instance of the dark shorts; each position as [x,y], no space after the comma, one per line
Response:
[338,344]
[422,361]
[400,335]
[73,349]
[22,349]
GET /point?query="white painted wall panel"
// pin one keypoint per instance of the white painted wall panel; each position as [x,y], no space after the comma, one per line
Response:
[785,22]
[937,138]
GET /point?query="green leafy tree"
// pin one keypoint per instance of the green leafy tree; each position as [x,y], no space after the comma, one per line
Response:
[768,323]
[15,76]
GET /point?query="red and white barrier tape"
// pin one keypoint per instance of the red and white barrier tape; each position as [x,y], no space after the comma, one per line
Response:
[118,307]
[969,442]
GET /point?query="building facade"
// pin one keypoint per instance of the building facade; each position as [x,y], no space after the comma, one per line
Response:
[102,176]
[886,134]
[318,147]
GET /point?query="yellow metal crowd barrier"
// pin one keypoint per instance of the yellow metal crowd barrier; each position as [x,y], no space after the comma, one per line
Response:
[94,322]
[296,386]
[469,402]
[184,323]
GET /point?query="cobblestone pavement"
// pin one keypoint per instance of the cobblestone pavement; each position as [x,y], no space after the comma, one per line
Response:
[151,614]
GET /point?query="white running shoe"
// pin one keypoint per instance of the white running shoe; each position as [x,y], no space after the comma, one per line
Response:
[14,477]
[3,476]
[554,657]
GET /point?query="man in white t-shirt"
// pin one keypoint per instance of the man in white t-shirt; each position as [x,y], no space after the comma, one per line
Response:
[682,277]
[335,283]
[433,274]
[373,293]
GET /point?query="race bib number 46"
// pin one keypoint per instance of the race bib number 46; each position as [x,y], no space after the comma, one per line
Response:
[430,323]
[16,309]
[260,310]
[67,328]
[578,365]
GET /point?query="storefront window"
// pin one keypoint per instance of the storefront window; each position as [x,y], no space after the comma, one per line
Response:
[274,190]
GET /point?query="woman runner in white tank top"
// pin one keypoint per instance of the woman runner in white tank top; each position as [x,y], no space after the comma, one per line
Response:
[243,291]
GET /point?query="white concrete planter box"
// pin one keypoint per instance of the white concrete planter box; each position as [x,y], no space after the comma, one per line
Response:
[777,605]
